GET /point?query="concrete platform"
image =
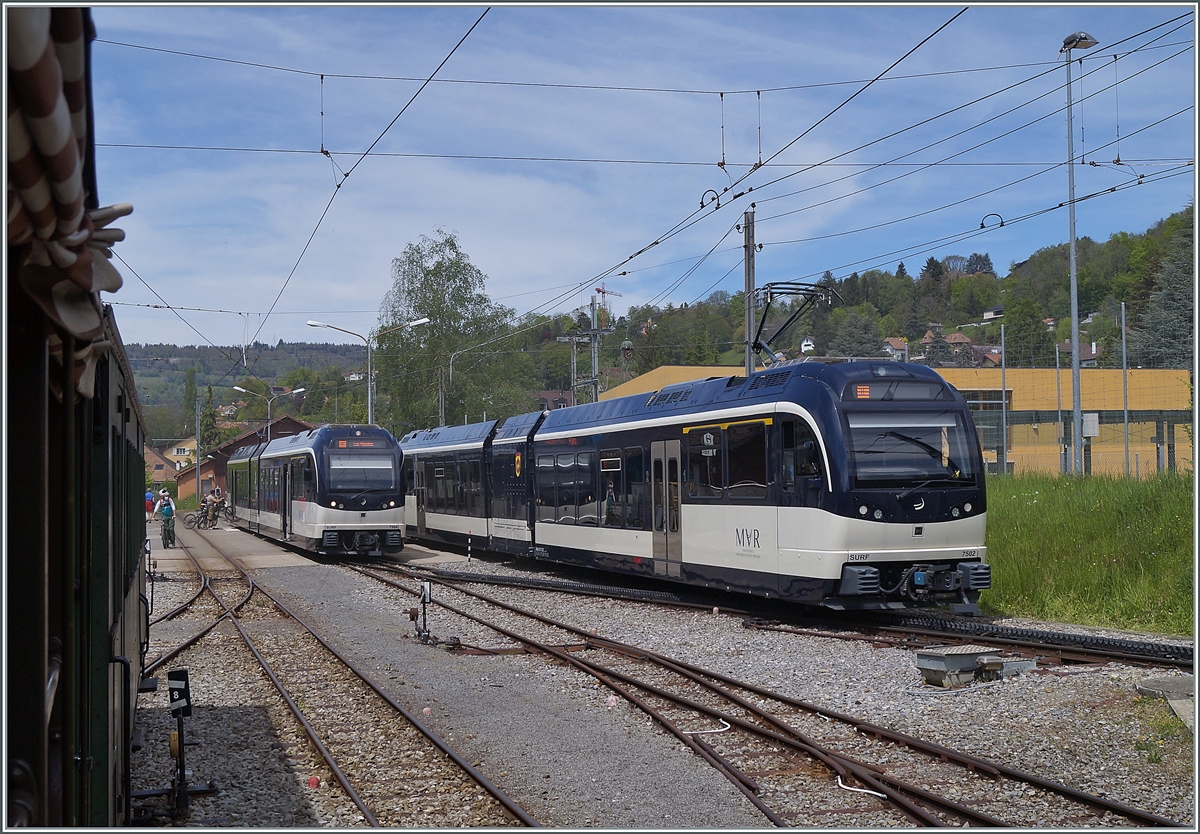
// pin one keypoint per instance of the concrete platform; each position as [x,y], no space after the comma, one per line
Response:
[255,552]
[1178,691]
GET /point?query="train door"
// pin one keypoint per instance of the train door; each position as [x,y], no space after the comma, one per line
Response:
[664,490]
[420,485]
[285,500]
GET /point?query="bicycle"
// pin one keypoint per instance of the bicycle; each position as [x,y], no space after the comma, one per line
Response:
[189,521]
[168,532]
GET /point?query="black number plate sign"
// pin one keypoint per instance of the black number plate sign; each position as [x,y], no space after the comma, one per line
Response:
[181,696]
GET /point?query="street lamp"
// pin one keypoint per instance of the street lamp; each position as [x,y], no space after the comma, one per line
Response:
[368,340]
[269,401]
[1078,40]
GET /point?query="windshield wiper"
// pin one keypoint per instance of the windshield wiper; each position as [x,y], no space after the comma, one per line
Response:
[950,464]
[902,495]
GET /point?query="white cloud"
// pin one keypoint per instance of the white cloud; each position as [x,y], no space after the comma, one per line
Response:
[222,229]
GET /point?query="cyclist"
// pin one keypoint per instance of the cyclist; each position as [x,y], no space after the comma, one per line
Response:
[166,507]
[212,505]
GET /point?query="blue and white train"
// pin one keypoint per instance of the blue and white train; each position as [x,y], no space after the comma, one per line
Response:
[333,490]
[850,486]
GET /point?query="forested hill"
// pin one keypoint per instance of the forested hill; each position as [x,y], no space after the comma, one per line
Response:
[161,370]
[1151,272]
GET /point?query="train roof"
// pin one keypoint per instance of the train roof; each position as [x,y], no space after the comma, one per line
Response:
[763,386]
[778,381]
[475,433]
[518,426]
[320,436]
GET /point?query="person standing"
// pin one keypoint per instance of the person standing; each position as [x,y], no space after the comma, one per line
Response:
[149,506]
[166,507]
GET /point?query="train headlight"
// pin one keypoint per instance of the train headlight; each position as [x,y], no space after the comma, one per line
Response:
[333,503]
[954,512]
[862,510]
[391,503]
[878,515]
[967,507]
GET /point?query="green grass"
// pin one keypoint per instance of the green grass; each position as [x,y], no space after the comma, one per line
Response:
[1100,551]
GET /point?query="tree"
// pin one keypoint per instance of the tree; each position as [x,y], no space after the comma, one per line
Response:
[901,272]
[467,351]
[189,396]
[1165,339]
[858,335]
[938,353]
[1027,342]
[209,435]
[979,263]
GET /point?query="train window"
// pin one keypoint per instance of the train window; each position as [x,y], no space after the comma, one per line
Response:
[585,480]
[747,460]
[475,490]
[545,488]
[672,494]
[799,456]
[657,486]
[358,471]
[564,467]
[705,462]
[462,500]
[611,487]
[634,498]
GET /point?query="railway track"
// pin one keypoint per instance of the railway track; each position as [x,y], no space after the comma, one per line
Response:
[904,631]
[799,764]
[405,775]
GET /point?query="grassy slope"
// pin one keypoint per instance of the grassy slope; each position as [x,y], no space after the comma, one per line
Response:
[1095,551]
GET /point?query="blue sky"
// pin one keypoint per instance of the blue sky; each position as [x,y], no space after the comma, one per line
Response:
[230,230]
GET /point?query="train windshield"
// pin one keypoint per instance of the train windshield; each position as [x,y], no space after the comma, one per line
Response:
[359,471]
[910,448]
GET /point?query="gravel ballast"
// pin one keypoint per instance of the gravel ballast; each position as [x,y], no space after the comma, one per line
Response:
[550,738]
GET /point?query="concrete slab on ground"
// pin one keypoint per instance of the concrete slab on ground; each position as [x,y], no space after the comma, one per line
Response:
[418,554]
[1178,691]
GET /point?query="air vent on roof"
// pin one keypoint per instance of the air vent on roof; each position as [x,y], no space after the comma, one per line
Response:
[667,398]
[770,380]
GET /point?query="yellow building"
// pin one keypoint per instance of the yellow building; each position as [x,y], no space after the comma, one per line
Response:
[181,452]
[1037,413]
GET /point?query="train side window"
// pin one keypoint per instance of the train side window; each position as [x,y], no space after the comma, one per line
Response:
[474,489]
[705,463]
[799,454]
[657,486]
[634,498]
[462,501]
[611,486]
[564,467]
[585,479]
[545,488]
[747,460]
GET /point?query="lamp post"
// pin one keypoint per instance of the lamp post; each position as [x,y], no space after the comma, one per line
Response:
[368,340]
[1079,40]
[269,401]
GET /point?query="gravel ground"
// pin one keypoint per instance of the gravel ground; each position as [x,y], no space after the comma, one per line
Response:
[549,738]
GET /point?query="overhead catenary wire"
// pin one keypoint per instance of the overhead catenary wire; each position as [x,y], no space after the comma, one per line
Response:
[562,86]
[337,188]
[587,281]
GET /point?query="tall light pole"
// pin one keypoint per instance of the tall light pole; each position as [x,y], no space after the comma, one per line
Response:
[1079,40]
[269,401]
[369,340]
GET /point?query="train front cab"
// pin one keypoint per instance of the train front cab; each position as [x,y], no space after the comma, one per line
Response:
[911,502]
